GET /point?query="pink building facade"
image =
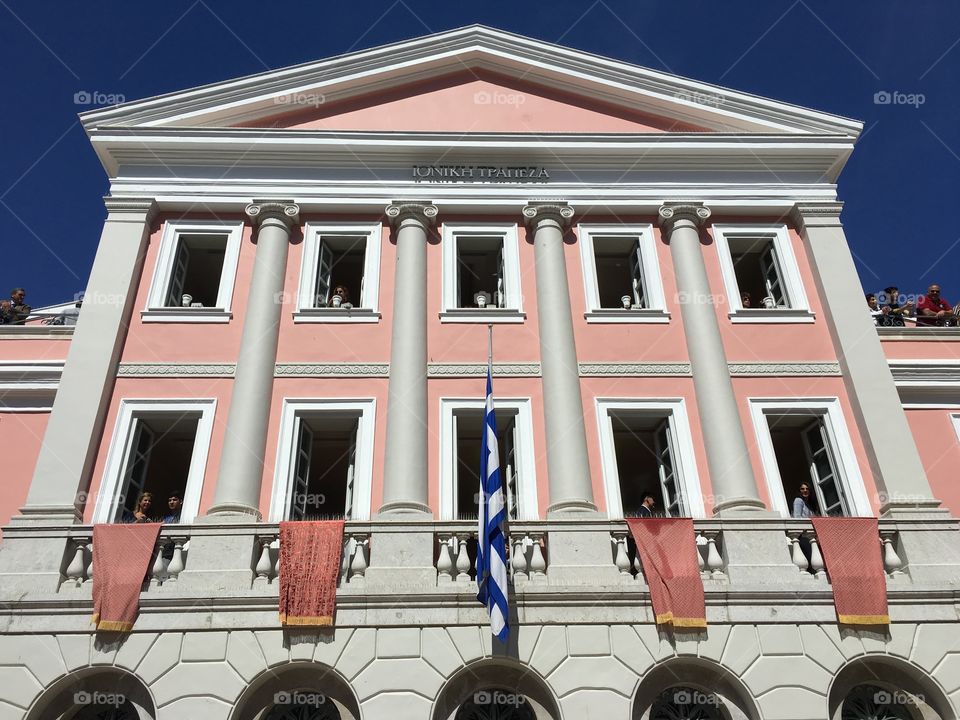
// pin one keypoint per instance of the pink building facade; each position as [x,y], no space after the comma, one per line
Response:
[288,318]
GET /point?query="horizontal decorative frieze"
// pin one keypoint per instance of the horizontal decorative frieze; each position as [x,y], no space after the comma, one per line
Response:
[332,370]
[176,370]
[784,368]
[633,369]
[437,370]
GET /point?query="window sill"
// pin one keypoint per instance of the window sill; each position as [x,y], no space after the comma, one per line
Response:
[186,315]
[336,315]
[614,315]
[771,315]
[486,315]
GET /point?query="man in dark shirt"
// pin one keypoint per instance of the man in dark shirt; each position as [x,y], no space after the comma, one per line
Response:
[19,310]
[174,504]
[646,505]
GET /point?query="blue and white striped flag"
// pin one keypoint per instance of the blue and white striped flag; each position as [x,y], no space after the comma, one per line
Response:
[491,551]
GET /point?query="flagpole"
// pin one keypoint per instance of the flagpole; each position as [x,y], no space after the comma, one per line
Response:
[490,347]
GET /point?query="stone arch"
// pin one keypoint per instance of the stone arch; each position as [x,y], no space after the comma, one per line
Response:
[696,677]
[79,693]
[916,694]
[311,682]
[496,675]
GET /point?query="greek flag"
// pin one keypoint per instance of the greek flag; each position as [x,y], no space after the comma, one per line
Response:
[491,551]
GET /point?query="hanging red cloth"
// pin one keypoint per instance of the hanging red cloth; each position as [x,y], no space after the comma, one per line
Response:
[310,554]
[121,559]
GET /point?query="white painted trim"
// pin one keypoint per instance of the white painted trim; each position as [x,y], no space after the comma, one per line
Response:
[156,310]
[449,312]
[848,469]
[119,451]
[688,475]
[653,282]
[336,315]
[956,424]
[284,466]
[529,508]
[787,260]
[369,299]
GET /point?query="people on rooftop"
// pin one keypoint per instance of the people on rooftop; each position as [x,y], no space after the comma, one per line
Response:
[932,309]
[15,311]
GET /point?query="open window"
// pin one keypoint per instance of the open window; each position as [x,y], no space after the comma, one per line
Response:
[461,438]
[621,275]
[806,442]
[324,463]
[646,448]
[159,447]
[340,274]
[481,280]
[195,273]
[760,274]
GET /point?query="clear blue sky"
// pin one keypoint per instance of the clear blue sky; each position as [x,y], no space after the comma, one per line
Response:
[900,187]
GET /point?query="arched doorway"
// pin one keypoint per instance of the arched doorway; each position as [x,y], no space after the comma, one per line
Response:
[692,689]
[95,694]
[297,691]
[496,704]
[880,687]
[496,690]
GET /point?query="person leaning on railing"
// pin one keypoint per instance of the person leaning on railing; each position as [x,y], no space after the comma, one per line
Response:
[894,312]
[934,310]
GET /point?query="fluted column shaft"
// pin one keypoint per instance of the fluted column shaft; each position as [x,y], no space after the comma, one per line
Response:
[567,464]
[241,466]
[405,469]
[731,475]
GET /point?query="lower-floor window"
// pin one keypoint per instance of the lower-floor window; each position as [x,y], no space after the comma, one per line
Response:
[647,452]
[324,463]
[158,452]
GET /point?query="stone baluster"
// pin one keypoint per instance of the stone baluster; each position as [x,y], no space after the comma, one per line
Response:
[622,560]
[816,559]
[358,566]
[700,542]
[178,562]
[90,566]
[518,558]
[76,570]
[158,572]
[714,559]
[445,572]
[891,560]
[796,552]
[538,563]
[264,566]
[464,565]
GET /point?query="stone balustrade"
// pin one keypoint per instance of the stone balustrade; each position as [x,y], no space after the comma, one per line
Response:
[353,565]
[168,561]
[456,556]
[805,551]
[709,557]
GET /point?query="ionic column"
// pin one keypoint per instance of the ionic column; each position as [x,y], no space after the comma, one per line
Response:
[894,459]
[241,466]
[73,433]
[405,474]
[567,465]
[730,472]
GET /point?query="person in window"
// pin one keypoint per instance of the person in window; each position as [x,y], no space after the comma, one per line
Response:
[344,295]
[934,310]
[647,504]
[141,512]
[745,300]
[801,504]
[174,505]
[895,310]
[19,311]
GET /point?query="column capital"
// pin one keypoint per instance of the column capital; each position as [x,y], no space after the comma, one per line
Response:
[286,211]
[817,214]
[131,209]
[422,211]
[555,210]
[670,213]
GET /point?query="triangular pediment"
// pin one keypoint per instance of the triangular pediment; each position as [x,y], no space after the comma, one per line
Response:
[439,83]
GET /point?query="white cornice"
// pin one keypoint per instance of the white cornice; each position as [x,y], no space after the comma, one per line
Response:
[926,373]
[472,48]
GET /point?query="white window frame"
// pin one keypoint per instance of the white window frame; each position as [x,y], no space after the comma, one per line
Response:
[831,413]
[367,309]
[286,449]
[513,312]
[156,310]
[117,455]
[685,462]
[956,424]
[528,508]
[792,283]
[656,312]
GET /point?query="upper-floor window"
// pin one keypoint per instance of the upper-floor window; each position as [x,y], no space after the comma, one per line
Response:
[481,274]
[195,272]
[760,274]
[646,449]
[621,274]
[324,460]
[461,437]
[804,442]
[159,447]
[340,273]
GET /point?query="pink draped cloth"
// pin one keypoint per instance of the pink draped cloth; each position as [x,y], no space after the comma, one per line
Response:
[310,553]
[121,559]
